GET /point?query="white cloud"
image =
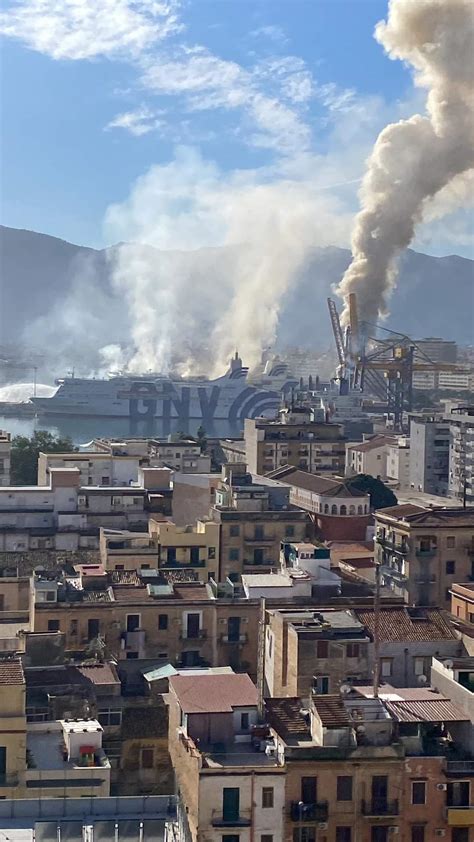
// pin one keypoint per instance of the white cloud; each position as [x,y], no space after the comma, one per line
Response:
[139,122]
[85,29]
[271,32]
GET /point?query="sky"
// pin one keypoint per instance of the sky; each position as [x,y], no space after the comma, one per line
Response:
[125,119]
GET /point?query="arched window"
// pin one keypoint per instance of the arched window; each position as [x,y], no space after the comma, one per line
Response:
[326,509]
[343,510]
[360,510]
[334,509]
[366,509]
[352,510]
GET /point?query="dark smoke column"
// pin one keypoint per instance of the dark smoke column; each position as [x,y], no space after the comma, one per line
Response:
[414,159]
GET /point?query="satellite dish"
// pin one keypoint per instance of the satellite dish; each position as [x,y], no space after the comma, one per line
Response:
[345,689]
[422,679]
[448,664]
[360,729]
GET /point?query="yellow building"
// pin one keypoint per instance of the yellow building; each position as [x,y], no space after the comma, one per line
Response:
[12,727]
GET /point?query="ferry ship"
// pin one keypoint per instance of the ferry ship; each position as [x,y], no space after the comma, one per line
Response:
[231,397]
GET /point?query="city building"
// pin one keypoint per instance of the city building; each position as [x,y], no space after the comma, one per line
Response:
[461,454]
[462,600]
[94,468]
[229,781]
[437,349]
[398,464]
[65,516]
[429,454]
[337,511]
[254,518]
[423,552]
[369,456]
[5,457]
[294,439]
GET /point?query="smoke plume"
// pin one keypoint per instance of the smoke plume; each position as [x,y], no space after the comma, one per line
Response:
[416,158]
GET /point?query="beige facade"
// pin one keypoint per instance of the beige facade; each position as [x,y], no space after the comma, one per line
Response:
[5,457]
[312,446]
[423,552]
[462,601]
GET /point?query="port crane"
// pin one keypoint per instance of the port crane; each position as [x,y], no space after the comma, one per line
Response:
[379,361]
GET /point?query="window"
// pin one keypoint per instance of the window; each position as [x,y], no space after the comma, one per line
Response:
[309,788]
[379,834]
[234,531]
[451,542]
[110,717]
[244,721]
[171,555]
[105,480]
[321,684]
[132,656]
[53,625]
[230,803]
[386,667]
[353,650]
[322,649]
[211,553]
[259,533]
[233,629]
[458,794]
[450,567]
[266,837]
[162,622]
[418,792]
[148,757]
[344,788]
[194,555]
[133,622]
[267,796]
[304,834]
[343,834]
[73,627]
[289,531]
[50,596]
[417,833]
[419,666]
[234,554]
[231,837]
[459,834]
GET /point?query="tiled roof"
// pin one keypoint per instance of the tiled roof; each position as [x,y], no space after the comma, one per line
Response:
[421,516]
[11,672]
[372,444]
[214,693]
[400,624]
[313,482]
[331,711]
[100,673]
[286,717]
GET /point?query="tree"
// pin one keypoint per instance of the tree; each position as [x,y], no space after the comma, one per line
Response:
[380,495]
[25,452]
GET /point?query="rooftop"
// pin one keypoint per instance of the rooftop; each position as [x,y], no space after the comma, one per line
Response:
[11,672]
[420,516]
[331,711]
[373,444]
[313,482]
[410,624]
[214,693]
[288,717]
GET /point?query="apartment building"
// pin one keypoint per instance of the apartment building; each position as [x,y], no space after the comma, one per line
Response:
[227,788]
[96,469]
[462,601]
[143,619]
[461,454]
[348,767]
[319,650]
[253,519]
[39,759]
[5,457]
[337,512]
[369,456]
[183,455]
[294,439]
[423,552]
[429,454]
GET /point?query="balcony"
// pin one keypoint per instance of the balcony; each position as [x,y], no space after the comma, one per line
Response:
[180,565]
[393,573]
[315,812]
[425,580]
[241,819]
[187,634]
[263,539]
[379,807]
[460,816]
[393,546]
[426,553]
[460,767]
[238,638]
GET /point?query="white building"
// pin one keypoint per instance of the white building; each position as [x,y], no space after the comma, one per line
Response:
[398,463]
[368,457]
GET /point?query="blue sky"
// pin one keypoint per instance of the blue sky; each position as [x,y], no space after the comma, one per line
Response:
[103,101]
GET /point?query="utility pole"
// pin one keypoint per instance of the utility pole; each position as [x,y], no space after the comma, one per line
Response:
[377,630]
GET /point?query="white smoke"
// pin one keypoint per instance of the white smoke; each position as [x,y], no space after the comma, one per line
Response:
[191,311]
[414,159]
[18,392]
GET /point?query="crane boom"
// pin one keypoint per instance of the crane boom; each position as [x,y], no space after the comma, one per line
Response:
[337,331]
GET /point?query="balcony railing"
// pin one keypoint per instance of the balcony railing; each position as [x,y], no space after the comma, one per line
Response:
[393,573]
[262,539]
[229,819]
[187,634]
[379,807]
[313,812]
[234,638]
[393,546]
[460,767]
[426,553]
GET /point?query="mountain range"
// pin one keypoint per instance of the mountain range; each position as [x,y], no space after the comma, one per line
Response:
[41,275]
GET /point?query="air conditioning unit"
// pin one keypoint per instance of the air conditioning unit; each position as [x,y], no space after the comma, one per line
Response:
[394,830]
[323,826]
[440,831]
[441,787]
